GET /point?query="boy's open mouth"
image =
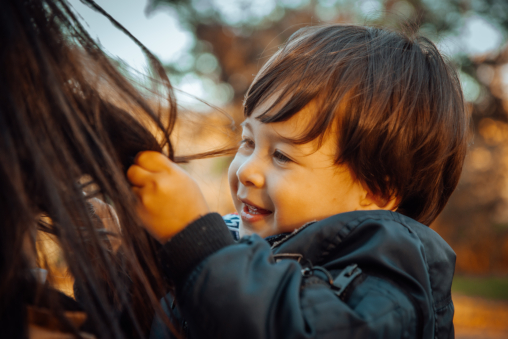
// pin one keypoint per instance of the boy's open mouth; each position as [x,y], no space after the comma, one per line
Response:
[252,213]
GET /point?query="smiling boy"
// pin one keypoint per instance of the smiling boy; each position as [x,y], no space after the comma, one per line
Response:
[353,141]
[278,186]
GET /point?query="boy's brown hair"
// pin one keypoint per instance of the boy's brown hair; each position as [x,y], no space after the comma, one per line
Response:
[396,104]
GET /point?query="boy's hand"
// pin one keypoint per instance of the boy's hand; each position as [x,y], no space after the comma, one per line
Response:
[169,199]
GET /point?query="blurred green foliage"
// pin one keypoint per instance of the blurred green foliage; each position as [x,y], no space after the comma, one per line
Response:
[492,288]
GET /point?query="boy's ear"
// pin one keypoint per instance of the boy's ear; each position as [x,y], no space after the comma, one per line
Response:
[373,202]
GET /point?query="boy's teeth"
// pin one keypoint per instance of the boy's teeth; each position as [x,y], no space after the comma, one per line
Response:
[255,210]
[252,209]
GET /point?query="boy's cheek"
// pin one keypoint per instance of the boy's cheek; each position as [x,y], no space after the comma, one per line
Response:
[232,177]
[233,187]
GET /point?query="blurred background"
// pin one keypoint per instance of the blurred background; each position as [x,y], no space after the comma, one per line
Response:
[212,49]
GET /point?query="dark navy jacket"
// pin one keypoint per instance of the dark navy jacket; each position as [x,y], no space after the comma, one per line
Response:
[362,274]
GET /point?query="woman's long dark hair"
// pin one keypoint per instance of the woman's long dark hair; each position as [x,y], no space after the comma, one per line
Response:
[60,123]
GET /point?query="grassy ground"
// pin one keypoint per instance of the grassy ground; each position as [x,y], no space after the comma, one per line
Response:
[480,318]
[481,307]
[490,287]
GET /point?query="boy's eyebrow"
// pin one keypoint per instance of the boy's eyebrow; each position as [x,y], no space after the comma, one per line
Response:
[272,136]
[247,125]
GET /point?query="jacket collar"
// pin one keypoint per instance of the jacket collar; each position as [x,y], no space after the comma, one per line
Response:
[382,243]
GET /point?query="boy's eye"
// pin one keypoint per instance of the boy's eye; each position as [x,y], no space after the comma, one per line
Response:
[247,143]
[281,158]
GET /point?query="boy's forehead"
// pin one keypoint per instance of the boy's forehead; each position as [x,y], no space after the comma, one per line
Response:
[297,125]
[293,128]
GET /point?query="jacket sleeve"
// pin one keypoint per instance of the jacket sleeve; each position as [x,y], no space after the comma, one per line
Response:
[236,290]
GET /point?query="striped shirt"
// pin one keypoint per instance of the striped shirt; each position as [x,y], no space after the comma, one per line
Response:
[233,223]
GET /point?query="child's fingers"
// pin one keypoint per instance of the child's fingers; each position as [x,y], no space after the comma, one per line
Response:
[139,176]
[152,161]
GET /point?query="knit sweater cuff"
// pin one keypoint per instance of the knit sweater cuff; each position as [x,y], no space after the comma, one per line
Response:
[186,250]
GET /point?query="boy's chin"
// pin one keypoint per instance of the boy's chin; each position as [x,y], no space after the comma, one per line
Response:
[262,230]
[244,230]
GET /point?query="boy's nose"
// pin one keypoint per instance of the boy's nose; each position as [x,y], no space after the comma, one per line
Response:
[250,174]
